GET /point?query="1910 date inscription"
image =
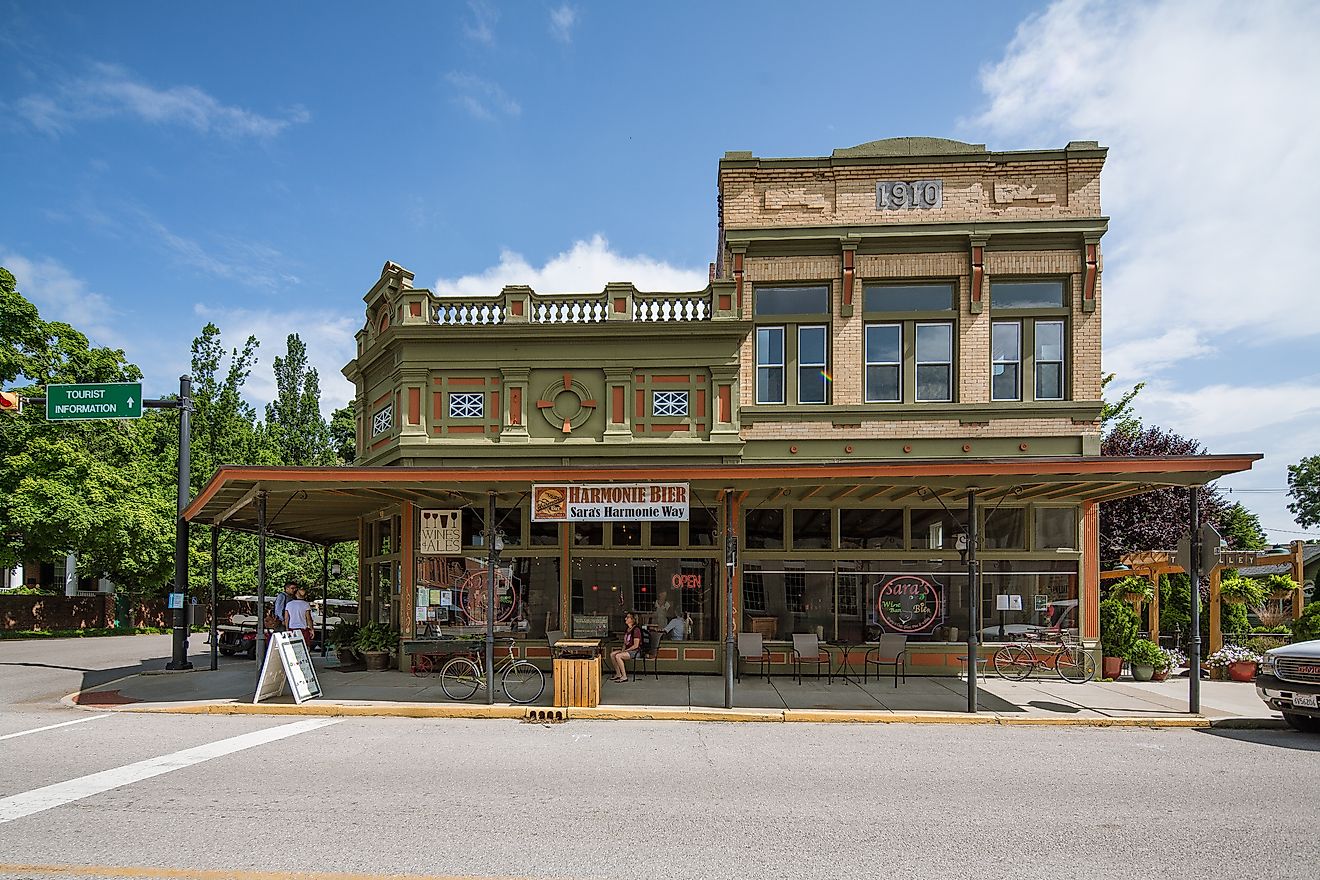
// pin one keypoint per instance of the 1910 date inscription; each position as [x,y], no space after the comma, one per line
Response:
[898,195]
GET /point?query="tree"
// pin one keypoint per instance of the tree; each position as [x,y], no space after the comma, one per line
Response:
[1304,487]
[1118,416]
[1241,529]
[294,419]
[1153,520]
[223,423]
[343,434]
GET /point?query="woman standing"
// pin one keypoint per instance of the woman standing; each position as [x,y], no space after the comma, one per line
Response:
[298,615]
[632,645]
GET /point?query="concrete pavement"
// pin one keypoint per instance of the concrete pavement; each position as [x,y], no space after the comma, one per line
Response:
[354,691]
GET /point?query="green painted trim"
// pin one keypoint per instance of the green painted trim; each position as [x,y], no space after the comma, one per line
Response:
[1082,226]
[926,412]
[869,449]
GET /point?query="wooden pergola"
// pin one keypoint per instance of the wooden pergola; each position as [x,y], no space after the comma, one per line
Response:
[1151,564]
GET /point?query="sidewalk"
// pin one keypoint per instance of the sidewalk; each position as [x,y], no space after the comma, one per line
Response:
[354,691]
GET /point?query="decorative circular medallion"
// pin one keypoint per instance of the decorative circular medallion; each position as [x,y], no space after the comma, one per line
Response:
[908,604]
[566,404]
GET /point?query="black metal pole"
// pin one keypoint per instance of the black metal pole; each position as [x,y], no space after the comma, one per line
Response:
[260,655]
[973,602]
[181,623]
[490,598]
[215,566]
[325,592]
[731,565]
[1194,574]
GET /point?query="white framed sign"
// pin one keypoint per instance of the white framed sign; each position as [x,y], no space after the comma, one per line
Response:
[294,669]
[441,532]
[605,502]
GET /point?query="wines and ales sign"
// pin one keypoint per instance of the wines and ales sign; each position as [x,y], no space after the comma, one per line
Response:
[602,502]
[442,533]
[908,604]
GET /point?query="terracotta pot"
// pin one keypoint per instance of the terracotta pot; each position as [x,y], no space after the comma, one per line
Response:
[1142,673]
[1160,675]
[376,660]
[1242,671]
[1111,667]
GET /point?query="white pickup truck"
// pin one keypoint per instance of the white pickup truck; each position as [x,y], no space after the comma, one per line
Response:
[1289,680]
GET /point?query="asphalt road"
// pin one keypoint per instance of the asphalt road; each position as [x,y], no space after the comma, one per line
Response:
[125,795]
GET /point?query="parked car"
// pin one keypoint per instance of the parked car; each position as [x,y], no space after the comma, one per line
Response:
[1289,680]
[1060,616]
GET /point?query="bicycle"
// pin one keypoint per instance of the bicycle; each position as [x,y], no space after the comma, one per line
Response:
[520,680]
[1017,661]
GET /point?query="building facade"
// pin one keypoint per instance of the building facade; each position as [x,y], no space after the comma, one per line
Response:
[909,300]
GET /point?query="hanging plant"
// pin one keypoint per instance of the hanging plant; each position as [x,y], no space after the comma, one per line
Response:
[1280,586]
[1136,590]
[1242,591]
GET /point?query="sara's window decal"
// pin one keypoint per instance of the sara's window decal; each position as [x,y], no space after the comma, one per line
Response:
[670,403]
[467,405]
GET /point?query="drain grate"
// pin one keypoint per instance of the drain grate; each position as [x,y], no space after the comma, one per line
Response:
[546,716]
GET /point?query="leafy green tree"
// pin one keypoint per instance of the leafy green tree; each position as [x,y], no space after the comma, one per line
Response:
[1118,416]
[1304,487]
[343,434]
[1241,528]
[294,418]
[224,427]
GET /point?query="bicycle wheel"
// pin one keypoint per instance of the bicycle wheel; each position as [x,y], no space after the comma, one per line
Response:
[1076,665]
[1014,662]
[459,678]
[522,682]
[423,666]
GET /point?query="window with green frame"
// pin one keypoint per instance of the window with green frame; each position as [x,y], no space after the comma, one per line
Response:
[909,342]
[792,344]
[1029,340]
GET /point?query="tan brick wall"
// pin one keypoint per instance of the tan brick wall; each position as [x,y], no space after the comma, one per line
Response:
[976,190]
[902,430]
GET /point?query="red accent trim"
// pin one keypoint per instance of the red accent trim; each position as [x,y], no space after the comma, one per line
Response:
[658,428]
[515,406]
[568,427]
[1092,268]
[544,404]
[848,276]
[978,271]
[619,305]
[467,429]
[415,309]
[641,404]
[1090,570]
[726,302]
[726,410]
[469,381]
[738,278]
[414,406]
[495,408]
[379,443]
[588,404]
[618,401]
[682,380]
[698,653]
[379,400]
[516,308]
[700,409]
[568,380]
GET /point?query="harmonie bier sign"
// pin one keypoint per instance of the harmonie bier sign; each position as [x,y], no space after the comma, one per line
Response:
[603,502]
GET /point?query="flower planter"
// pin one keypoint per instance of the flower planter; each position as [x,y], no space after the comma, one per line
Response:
[346,656]
[1142,673]
[1242,671]
[1160,675]
[1111,667]
[376,660]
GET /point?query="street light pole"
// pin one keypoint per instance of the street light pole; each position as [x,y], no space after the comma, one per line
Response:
[181,622]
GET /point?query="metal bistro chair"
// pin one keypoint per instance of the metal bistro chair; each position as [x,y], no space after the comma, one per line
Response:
[653,655]
[892,651]
[751,647]
[807,649]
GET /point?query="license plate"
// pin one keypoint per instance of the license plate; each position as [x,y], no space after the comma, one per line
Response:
[1306,701]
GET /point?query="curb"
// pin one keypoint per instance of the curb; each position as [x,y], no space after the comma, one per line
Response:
[655,713]
[1249,723]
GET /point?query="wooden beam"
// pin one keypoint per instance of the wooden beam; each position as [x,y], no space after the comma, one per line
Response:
[843,493]
[874,492]
[238,505]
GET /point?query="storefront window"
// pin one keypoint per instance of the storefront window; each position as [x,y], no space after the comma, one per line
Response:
[1028,597]
[626,534]
[933,530]
[657,590]
[812,529]
[703,528]
[544,534]
[880,529]
[664,534]
[588,534]
[509,520]
[765,529]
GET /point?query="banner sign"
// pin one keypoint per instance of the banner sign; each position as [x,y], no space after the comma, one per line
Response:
[442,533]
[603,502]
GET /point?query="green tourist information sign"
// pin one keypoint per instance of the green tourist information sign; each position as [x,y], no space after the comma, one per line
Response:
[101,400]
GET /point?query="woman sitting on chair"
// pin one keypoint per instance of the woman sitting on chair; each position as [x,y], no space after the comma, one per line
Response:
[632,646]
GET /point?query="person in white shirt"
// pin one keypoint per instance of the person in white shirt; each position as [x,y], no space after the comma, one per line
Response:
[676,629]
[298,615]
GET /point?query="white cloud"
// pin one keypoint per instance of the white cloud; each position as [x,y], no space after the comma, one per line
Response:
[59,295]
[1210,180]
[562,20]
[480,27]
[585,267]
[482,98]
[112,91]
[327,335]
[234,259]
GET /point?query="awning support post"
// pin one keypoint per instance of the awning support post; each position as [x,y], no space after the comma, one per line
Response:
[973,602]
[260,655]
[215,568]
[490,597]
[1194,574]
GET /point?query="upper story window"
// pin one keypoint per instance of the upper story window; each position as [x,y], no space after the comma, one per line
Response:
[1028,340]
[383,420]
[792,344]
[908,343]
[467,405]
[669,403]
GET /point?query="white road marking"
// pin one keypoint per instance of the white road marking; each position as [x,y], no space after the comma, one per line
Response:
[39,799]
[53,726]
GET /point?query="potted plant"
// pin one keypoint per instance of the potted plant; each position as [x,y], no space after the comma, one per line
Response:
[1242,591]
[1136,590]
[344,637]
[1144,657]
[1280,586]
[1240,662]
[374,642]
[1118,630]
[1173,659]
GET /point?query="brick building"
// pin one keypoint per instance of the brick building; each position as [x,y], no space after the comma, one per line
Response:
[894,337]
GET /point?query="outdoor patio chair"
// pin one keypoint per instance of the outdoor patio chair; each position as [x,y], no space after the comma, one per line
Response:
[653,655]
[751,647]
[892,651]
[807,649]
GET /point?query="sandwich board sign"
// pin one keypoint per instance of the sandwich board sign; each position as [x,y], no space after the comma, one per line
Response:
[293,668]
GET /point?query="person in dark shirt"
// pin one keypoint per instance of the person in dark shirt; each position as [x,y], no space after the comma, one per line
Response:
[632,646]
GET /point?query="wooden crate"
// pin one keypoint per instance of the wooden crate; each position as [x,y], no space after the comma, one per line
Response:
[577,682]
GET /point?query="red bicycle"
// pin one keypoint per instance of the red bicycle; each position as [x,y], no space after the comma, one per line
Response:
[1072,662]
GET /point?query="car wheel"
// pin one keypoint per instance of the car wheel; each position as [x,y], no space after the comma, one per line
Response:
[1304,723]
[228,652]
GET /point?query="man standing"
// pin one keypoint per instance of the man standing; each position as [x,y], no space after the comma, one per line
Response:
[282,601]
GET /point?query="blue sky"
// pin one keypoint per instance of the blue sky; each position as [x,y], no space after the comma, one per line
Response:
[255,164]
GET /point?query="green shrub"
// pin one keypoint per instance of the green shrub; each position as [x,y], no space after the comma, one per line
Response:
[1307,626]
[345,634]
[376,637]
[1118,627]
[1144,652]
